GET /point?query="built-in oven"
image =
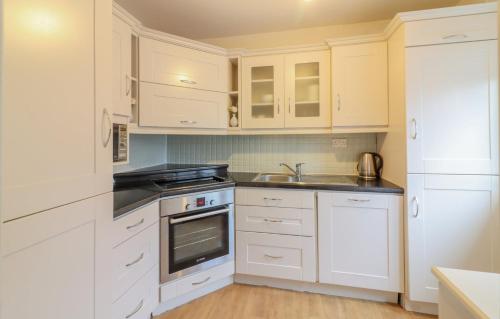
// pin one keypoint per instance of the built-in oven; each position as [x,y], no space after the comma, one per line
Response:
[197,232]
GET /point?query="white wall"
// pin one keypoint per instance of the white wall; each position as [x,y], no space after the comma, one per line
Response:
[264,153]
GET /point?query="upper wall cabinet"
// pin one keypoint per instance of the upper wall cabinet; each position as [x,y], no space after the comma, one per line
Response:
[165,63]
[360,93]
[56,125]
[122,67]
[452,108]
[286,91]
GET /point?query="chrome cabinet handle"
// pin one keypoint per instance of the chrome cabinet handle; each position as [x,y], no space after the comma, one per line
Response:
[413,131]
[338,102]
[106,118]
[453,36]
[273,257]
[141,257]
[273,199]
[272,220]
[188,81]
[358,200]
[128,84]
[136,224]
[278,105]
[136,310]
[201,282]
[289,107]
[188,122]
[417,207]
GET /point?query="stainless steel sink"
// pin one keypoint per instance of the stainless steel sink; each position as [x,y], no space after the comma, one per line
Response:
[307,179]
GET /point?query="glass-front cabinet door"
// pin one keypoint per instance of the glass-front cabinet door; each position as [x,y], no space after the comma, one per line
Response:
[307,94]
[263,102]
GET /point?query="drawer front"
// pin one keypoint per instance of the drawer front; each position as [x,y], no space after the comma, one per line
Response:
[134,258]
[453,29]
[358,200]
[186,285]
[170,64]
[277,220]
[277,256]
[135,222]
[177,107]
[271,197]
[140,301]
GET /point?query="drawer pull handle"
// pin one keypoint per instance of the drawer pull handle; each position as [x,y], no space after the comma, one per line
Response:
[273,199]
[188,81]
[139,223]
[136,310]
[267,220]
[201,282]
[141,257]
[188,122]
[273,257]
[455,36]
[358,200]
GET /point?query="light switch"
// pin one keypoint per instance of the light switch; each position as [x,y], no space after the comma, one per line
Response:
[339,143]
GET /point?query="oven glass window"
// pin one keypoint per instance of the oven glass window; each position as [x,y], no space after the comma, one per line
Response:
[198,240]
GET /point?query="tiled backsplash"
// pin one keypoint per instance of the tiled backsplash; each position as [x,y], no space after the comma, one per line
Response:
[264,153]
[145,150]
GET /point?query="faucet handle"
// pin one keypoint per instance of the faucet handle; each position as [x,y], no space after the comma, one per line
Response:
[299,164]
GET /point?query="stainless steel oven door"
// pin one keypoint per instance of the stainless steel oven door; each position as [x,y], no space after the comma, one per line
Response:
[196,241]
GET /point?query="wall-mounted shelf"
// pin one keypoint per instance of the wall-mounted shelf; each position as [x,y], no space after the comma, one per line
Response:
[263,81]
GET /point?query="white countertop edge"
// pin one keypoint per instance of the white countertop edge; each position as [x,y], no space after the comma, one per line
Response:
[465,299]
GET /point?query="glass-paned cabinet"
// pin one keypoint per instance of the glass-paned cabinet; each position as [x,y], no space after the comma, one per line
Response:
[290,90]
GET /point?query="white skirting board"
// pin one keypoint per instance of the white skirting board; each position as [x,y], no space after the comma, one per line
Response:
[421,307]
[332,290]
[181,300]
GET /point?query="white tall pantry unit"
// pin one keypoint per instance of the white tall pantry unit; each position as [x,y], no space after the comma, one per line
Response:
[443,143]
[55,159]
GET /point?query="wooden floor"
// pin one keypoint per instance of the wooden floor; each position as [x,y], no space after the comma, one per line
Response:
[250,302]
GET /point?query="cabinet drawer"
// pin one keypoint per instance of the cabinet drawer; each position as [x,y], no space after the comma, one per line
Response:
[288,221]
[140,301]
[186,285]
[274,197]
[359,200]
[278,256]
[177,107]
[133,258]
[453,29]
[132,224]
[175,65]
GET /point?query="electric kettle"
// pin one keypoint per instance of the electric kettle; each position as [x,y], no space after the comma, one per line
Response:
[370,165]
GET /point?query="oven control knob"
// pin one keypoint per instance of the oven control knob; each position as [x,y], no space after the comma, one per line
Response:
[188,206]
[212,202]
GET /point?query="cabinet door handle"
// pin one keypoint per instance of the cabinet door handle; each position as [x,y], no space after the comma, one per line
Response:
[273,257]
[128,84]
[188,122]
[188,81]
[278,106]
[273,199]
[416,208]
[136,310]
[455,36]
[136,224]
[201,282]
[413,131]
[289,107]
[141,257]
[106,137]
[267,220]
[338,102]
[358,200]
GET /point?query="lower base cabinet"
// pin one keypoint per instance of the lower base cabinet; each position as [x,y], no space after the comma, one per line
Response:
[277,256]
[360,240]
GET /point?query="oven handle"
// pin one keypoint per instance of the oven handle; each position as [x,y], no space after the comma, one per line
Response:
[184,219]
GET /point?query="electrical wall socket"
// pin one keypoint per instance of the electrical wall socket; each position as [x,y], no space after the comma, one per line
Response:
[339,143]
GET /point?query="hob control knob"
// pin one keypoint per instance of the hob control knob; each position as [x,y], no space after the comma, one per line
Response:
[212,201]
[188,206]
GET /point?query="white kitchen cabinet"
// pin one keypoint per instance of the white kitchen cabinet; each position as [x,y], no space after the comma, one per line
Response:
[178,107]
[56,265]
[360,240]
[287,91]
[360,85]
[452,108]
[453,221]
[56,104]
[165,63]
[122,68]
[271,197]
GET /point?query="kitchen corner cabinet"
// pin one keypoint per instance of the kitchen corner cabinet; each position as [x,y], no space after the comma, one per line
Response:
[56,264]
[453,222]
[122,68]
[360,85]
[286,91]
[56,108]
[360,240]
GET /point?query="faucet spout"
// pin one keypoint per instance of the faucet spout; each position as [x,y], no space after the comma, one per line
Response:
[291,169]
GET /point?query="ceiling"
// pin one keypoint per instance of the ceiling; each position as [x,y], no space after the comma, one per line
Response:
[199,19]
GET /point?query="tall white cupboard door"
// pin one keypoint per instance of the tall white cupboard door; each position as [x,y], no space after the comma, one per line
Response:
[360,85]
[56,104]
[453,221]
[360,240]
[452,108]
[263,92]
[307,89]
[122,67]
[56,264]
